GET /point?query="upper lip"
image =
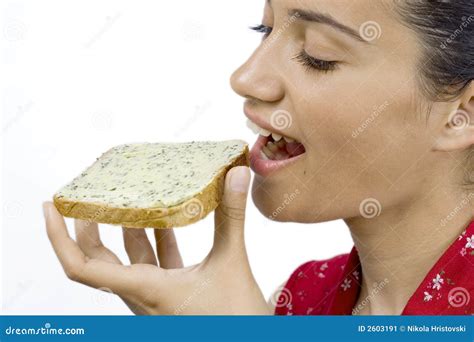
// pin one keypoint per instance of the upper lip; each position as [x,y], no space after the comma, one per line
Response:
[260,122]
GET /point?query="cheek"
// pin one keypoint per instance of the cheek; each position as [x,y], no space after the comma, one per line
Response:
[392,137]
[359,143]
[358,147]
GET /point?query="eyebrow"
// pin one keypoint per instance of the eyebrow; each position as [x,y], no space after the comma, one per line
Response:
[317,17]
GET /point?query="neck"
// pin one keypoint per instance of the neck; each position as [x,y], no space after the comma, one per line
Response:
[400,246]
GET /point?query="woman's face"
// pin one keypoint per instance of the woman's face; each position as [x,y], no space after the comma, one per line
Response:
[339,77]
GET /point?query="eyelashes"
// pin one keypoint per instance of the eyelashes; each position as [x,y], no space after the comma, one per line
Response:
[266,30]
[309,62]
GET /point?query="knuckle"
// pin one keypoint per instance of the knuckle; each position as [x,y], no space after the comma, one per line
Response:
[232,212]
[75,269]
[73,272]
[88,243]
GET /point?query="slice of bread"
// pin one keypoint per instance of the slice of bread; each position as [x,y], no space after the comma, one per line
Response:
[160,185]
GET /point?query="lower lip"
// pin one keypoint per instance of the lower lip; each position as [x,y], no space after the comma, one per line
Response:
[265,167]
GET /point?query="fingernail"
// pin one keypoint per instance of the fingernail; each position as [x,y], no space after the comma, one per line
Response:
[45,210]
[239,179]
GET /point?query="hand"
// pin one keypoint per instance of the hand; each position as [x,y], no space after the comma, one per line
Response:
[221,284]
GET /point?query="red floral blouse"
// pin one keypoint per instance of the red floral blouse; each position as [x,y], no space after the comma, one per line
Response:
[331,287]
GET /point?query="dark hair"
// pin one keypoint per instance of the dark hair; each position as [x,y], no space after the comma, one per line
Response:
[446,32]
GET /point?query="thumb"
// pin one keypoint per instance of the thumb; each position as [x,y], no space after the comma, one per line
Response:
[229,216]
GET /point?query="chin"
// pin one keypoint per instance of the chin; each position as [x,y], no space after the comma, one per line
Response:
[275,201]
[283,203]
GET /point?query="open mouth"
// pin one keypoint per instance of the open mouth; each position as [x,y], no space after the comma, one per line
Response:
[272,150]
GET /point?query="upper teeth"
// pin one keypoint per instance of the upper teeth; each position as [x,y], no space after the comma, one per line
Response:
[262,131]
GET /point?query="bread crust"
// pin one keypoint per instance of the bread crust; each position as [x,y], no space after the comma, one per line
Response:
[188,212]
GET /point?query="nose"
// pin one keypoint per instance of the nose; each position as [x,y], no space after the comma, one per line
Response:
[258,78]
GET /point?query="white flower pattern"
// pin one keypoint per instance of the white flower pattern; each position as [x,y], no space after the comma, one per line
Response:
[437,282]
[432,292]
[346,284]
[470,242]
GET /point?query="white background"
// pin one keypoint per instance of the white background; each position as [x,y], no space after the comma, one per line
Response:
[83,76]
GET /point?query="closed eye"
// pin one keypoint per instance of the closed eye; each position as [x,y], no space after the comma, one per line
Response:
[311,62]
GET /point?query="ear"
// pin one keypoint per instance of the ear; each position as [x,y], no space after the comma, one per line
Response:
[458,130]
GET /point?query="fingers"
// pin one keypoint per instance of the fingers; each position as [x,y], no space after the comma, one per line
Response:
[167,249]
[87,234]
[230,214]
[138,246]
[88,239]
[79,267]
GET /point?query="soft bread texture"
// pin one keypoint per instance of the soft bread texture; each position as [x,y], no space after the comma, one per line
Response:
[102,192]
